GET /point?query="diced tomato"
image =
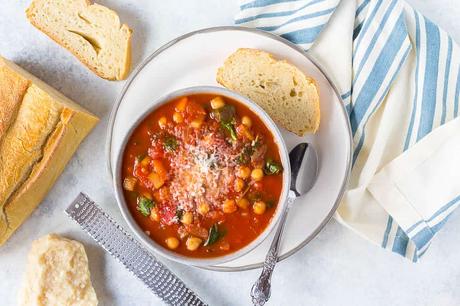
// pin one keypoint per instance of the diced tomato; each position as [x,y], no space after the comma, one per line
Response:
[142,177]
[259,186]
[193,111]
[243,132]
[196,230]
[167,213]
[156,151]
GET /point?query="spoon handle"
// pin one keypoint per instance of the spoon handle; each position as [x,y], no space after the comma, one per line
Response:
[261,289]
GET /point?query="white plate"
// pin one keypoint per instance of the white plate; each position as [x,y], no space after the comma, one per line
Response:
[192,60]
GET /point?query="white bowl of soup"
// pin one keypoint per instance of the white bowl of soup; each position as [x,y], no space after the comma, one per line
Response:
[202,176]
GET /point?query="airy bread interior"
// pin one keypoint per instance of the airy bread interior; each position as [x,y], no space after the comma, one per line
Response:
[281,89]
[57,274]
[92,32]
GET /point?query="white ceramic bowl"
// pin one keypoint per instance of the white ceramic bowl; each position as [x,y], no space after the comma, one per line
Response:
[150,243]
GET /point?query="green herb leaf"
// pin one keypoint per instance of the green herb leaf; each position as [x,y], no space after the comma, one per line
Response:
[144,205]
[256,142]
[170,143]
[225,114]
[214,235]
[272,167]
[179,213]
[230,129]
[270,203]
[255,196]
[245,156]
[140,157]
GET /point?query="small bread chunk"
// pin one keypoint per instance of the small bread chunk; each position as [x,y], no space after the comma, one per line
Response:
[281,89]
[57,274]
[92,32]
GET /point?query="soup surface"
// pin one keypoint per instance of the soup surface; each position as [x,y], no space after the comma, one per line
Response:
[202,175]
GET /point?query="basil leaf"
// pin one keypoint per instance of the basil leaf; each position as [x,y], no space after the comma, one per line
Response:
[140,157]
[170,143]
[255,196]
[214,235]
[245,156]
[179,213]
[272,167]
[225,114]
[230,129]
[144,206]
[270,203]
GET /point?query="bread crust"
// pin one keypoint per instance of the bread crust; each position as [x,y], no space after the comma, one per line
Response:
[12,90]
[71,128]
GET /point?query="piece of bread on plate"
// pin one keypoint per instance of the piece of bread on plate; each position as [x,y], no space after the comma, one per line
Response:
[92,32]
[289,96]
[40,129]
[57,274]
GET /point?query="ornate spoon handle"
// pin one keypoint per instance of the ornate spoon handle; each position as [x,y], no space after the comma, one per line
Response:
[261,290]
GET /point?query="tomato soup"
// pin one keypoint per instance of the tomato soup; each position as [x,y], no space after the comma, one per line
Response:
[202,175]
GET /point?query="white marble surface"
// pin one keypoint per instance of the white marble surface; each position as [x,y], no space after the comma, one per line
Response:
[336,268]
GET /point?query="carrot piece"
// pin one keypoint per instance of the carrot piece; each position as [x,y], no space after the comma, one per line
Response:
[159,168]
[156,180]
[181,105]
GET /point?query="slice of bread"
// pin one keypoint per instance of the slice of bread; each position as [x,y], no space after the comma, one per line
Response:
[57,274]
[281,89]
[92,32]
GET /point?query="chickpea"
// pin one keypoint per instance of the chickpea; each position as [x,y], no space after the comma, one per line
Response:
[259,207]
[196,123]
[243,172]
[246,121]
[129,183]
[187,218]
[172,242]
[193,243]
[239,184]
[154,215]
[229,206]
[243,203]
[257,174]
[217,102]
[203,208]
[178,118]
[162,122]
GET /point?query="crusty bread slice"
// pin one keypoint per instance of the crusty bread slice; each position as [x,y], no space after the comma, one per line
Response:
[92,32]
[281,89]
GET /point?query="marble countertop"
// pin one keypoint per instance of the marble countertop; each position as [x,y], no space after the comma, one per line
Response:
[336,268]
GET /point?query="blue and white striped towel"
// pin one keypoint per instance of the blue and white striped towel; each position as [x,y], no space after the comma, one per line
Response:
[399,78]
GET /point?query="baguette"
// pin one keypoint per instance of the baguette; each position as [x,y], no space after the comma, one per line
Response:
[281,89]
[40,133]
[92,33]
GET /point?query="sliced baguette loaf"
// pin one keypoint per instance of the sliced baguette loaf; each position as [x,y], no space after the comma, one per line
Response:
[281,89]
[40,131]
[92,32]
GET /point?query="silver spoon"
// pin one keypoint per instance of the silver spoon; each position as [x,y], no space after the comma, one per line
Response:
[301,182]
